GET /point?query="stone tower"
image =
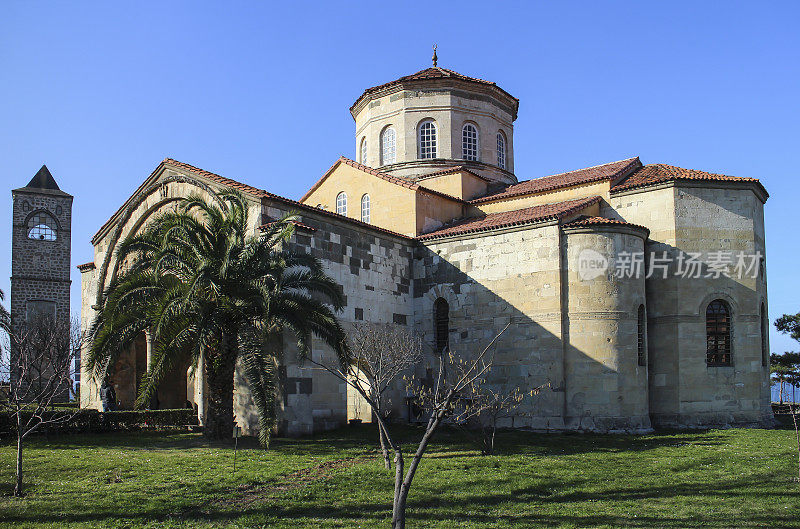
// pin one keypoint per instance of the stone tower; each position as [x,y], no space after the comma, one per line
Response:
[40,251]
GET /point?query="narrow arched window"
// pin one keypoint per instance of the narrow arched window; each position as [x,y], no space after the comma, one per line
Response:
[388,146]
[363,151]
[341,203]
[501,150]
[427,140]
[441,317]
[42,227]
[718,333]
[365,208]
[469,142]
[764,341]
[641,336]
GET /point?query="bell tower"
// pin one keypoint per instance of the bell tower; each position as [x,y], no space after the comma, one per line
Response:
[40,251]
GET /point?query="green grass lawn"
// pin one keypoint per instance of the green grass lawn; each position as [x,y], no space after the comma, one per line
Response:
[718,478]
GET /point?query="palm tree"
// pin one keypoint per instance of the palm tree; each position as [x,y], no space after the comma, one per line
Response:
[205,288]
[5,317]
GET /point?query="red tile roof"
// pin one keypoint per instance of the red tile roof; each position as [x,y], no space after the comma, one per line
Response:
[517,217]
[250,190]
[602,221]
[434,72]
[657,173]
[609,171]
[384,176]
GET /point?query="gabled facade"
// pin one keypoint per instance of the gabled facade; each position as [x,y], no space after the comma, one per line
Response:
[434,218]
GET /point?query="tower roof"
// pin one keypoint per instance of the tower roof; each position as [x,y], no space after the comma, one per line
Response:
[43,182]
[431,74]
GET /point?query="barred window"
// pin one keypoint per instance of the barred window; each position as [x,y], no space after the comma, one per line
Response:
[363,151]
[427,140]
[469,142]
[441,316]
[388,146]
[641,336]
[501,150]
[42,227]
[365,208]
[718,333]
[341,203]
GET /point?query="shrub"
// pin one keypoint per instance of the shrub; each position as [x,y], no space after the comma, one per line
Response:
[94,421]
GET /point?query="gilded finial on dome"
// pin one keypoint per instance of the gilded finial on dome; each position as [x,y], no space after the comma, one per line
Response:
[435,58]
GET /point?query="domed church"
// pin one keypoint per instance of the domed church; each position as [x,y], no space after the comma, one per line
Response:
[634,293]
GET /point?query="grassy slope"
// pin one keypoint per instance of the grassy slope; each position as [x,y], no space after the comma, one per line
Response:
[720,478]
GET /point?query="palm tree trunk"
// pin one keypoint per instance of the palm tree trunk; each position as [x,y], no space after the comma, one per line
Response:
[220,369]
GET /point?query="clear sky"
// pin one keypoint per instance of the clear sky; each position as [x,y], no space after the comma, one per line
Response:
[102,91]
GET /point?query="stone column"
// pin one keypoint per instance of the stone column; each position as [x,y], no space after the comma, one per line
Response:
[149,339]
[200,389]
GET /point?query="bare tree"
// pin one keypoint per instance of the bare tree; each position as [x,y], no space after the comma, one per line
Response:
[381,355]
[40,369]
[482,406]
[438,400]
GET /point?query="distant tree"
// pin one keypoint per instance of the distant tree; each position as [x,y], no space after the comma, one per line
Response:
[789,324]
[40,375]
[205,286]
[785,368]
[381,354]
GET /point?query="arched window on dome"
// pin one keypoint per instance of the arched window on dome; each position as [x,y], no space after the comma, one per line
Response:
[469,142]
[365,209]
[341,203]
[718,333]
[388,146]
[427,140]
[363,150]
[441,322]
[501,150]
[42,227]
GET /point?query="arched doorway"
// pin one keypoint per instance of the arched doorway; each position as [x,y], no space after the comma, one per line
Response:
[357,406]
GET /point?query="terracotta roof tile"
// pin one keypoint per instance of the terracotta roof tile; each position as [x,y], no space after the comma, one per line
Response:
[517,217]
[433,72]
[609,171]
[253,191]
[85,267]
[602,221]
[657,173]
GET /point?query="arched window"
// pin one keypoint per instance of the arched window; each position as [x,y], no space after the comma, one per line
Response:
[764,344]
[363,151]
[469,142]
[501,150]
[427,140]
[365,208]
[441,317]
[388,146]
[42,227]
[718,333]
[641,336]
[341,203]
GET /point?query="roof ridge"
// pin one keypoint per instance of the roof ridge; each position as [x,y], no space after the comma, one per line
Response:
[518,217]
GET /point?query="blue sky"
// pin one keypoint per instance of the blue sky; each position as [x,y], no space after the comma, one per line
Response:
[102,92]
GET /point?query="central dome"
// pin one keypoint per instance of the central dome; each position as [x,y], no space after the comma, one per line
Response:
[433,120]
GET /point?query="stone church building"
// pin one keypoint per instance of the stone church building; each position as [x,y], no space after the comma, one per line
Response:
[430,228]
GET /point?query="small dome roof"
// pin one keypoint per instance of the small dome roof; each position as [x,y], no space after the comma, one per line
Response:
[434,73]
